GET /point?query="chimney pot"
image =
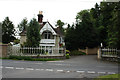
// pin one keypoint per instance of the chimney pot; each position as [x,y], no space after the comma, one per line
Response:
[40,17]
[40,12]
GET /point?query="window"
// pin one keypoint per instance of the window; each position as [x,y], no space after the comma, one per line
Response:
[47,35]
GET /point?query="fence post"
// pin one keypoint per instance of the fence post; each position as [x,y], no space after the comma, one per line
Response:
[101,52]
[118,55]
[40,50]
[116,52]
[52,50]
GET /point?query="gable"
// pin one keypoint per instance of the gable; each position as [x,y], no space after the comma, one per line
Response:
[48,27]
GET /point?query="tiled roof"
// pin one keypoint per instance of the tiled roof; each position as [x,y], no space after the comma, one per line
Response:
[57,30]
[41,25]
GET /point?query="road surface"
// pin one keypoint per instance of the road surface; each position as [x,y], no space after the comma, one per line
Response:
[86,66]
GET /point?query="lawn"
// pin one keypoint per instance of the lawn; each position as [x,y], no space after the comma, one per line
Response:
[109,77]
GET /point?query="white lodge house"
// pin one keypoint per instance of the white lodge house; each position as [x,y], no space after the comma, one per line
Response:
[51,38]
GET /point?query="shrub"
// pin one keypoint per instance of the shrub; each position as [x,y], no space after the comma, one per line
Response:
[67,56]
[38,55]
[30,58]
[67,51]
[76,52]
[20,57]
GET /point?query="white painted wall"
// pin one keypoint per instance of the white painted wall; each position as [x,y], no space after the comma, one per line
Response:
[49,28]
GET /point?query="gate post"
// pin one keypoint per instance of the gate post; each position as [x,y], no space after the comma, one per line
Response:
[99,53]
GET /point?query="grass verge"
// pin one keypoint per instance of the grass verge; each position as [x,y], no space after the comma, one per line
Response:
[28,58]
[109,77]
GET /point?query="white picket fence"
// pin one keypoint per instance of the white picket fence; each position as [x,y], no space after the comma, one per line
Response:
[33,51]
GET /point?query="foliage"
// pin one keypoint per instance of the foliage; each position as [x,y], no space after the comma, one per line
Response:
[20,57]
[28,58]
[60,24]
[81,15]
[7,31]
[113,27]
[70,39]
[33,35]
[88,34]
[87,37]
[67,51]
[23,25]
[76,52]
[67,56]
[95,26]
[38,55]
[16,41]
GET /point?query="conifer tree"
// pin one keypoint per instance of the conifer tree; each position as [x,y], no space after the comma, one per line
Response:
[7,31]
[33,35]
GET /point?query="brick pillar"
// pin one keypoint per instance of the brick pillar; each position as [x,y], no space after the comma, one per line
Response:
[86,50]
[99,53]
[3,50]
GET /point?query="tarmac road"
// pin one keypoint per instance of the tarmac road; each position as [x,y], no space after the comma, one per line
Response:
[86,66]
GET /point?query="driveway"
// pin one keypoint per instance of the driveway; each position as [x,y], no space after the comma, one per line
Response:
[86,66]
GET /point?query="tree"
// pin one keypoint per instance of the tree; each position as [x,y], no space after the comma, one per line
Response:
[33,35]
[23,25]
[106,18]
[106,9]
[82,34]
[60,24]
[79,17]
[95,12]
[113,28]
[97,21]
[87,33]
[7,31]
[70,40]
[95,26]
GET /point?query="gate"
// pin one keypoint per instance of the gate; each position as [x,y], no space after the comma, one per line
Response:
[110,54]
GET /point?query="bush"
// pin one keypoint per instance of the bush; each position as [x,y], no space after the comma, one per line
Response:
[76,52]
[20,57]
[67,51]
[67,56]
[29,58]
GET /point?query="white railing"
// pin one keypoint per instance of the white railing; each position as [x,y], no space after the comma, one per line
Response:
[43,51]
[47,41]
[111,54]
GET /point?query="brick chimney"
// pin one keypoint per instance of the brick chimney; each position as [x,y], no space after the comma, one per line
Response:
[40,17]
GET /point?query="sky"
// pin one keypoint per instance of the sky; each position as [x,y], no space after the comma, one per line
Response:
[53,10]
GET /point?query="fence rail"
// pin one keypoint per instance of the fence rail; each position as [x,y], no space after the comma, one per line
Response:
[110,54]
[30,51]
